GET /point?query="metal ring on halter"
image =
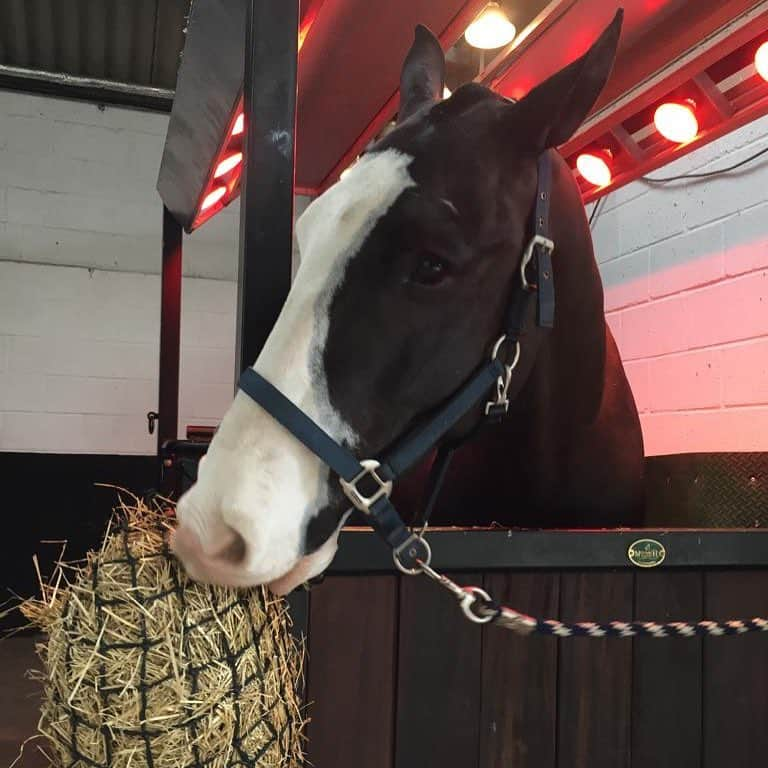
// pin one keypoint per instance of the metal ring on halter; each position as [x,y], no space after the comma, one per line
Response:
[497,346]
[425,560]
[470,597]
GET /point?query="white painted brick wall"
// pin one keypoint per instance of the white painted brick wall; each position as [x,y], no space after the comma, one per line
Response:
[80,239]
[685,268]
[79,357]
[77,187]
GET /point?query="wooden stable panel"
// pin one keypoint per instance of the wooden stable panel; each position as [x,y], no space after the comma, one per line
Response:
[397,678]
[594,674]
[667,707]
[734,696]
[520,730]
[354,724]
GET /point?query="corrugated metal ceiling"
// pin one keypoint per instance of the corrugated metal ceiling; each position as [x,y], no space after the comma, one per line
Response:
[128,41]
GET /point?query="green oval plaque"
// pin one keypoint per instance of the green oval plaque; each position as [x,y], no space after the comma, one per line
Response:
[646,553]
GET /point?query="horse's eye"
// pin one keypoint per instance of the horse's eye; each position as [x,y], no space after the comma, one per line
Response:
[431,270]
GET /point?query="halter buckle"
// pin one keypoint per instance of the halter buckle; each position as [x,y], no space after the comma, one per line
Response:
[500,405]
[536,241]
[356,496]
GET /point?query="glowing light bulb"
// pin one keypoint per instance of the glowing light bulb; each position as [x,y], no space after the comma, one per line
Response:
[677,121]
[761,61]
[491,29]
[446,92]
[237,128]
[594,168]
[227,164]
[212,198]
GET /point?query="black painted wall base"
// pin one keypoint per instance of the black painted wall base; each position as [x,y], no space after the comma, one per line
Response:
[56,497]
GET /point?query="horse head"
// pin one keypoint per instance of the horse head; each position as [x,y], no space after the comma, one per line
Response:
[405,273]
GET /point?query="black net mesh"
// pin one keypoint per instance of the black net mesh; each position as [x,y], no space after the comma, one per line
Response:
[143,667]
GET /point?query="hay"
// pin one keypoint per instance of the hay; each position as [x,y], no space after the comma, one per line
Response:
[143,667]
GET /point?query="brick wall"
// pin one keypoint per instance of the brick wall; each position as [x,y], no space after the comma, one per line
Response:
[77,187]
[684,265]
[79,356]
[80,241]
[685,269]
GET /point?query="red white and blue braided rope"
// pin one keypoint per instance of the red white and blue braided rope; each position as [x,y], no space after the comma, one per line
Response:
[528,625]
[478,607]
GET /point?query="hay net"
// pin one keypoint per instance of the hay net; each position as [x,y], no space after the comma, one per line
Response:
[143,667]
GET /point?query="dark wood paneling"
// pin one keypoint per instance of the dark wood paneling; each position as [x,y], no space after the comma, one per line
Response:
[462,549]
[438,701]
[735,673]
[666,681]
[19,703]
[595,675]
[352,634]
[518,717]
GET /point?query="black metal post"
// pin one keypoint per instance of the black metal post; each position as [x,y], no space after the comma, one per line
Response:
[266,201]
[170,332]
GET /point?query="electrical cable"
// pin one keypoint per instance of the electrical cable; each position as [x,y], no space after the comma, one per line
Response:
[599,205]
[705,174]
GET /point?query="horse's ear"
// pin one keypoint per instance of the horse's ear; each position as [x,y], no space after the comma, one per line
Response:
[552,111]
[423,76]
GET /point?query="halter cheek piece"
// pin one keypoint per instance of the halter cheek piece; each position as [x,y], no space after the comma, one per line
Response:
[368,483]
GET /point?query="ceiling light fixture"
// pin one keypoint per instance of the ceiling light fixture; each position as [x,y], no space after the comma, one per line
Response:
[676,121]
[490,29]
[595,168]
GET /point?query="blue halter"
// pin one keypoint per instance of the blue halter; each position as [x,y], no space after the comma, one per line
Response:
[368,483]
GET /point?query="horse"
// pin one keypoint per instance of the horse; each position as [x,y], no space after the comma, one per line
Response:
[406,270]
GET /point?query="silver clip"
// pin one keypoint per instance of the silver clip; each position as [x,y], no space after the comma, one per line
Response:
[469,598]
[503,382]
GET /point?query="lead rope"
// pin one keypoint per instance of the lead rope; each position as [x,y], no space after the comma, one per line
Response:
[478,606]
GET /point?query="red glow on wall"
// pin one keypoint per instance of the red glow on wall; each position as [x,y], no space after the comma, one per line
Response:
[227,164]
[212,198]
[309,20]
[694,342]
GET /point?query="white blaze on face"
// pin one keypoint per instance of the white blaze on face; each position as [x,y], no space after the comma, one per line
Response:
[244,521]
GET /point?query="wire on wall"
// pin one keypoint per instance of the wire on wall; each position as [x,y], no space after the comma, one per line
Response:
[599,205]
[705,174]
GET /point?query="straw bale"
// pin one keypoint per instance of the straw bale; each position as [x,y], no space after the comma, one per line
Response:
[143,667]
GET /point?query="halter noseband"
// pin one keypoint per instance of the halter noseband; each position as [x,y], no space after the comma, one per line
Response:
[368,483]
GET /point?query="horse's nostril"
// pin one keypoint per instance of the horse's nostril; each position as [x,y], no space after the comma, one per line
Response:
[234,552]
